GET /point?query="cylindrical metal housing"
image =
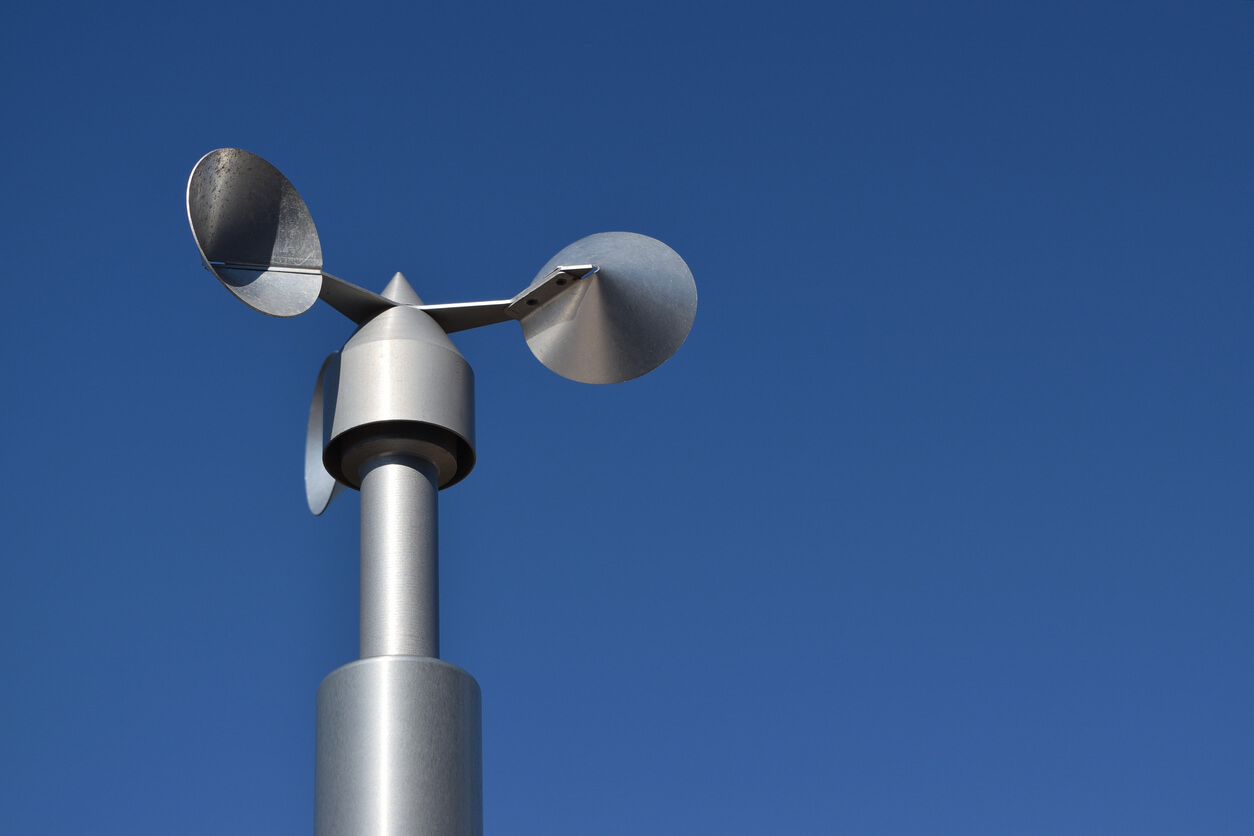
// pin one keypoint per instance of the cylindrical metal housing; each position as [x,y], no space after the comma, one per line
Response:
[400,381]
[400,575]
[398,750]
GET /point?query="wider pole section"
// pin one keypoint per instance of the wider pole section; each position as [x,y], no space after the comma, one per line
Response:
[400,599]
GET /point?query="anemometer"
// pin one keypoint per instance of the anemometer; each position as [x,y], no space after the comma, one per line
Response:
[398,731]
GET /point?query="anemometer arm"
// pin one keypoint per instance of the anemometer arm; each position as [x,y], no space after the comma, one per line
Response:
[361,305]
[462,316]
[356,303]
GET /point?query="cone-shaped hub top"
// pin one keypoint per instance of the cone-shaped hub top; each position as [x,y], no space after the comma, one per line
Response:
[401,291]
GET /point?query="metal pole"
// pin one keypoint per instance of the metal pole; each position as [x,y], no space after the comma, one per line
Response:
[398,742]
[400,600]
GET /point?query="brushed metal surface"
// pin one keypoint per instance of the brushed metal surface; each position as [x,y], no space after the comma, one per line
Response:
[398,734]
[254,232]
[398,750]
[399,369]
[321,489]
[622,321]
[356,303]
[400,599]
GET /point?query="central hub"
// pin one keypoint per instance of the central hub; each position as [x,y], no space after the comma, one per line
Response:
[400,387]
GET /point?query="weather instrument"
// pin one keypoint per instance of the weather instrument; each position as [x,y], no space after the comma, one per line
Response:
[398,731]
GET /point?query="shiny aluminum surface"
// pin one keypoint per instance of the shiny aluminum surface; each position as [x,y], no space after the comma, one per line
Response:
[398,739]
[400,573]
[358,304]
[423,417]
[254,232]
[320,487]
[401,377]
[624,320]
[398,750]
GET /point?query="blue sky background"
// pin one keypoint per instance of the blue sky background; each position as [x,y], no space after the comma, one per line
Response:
[940,522]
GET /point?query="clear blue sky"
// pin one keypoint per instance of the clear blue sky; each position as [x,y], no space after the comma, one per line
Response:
[940,522]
